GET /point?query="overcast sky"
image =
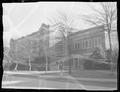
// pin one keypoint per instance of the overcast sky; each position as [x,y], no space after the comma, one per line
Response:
[20,19]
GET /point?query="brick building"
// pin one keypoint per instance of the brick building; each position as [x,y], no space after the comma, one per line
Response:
[82,44]
[30,46]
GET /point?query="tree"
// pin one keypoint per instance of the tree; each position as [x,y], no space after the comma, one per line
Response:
[25,51]
[107,17]
[64,22]
[96,54]
[45,42]
[6,58]
[45,39]
[115,58]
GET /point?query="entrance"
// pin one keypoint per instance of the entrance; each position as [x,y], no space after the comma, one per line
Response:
[78,64]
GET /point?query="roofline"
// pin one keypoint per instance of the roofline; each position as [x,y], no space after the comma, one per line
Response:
[30,34]
[86,30]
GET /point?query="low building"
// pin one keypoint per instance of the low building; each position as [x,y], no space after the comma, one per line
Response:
[84,43]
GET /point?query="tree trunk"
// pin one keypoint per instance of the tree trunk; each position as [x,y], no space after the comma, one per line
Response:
[68,54]
[29,64]
[69,65]
[16,67]
[110,44]
[46,58]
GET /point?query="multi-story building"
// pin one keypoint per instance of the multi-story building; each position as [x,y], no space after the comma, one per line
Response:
[82,44]
[30,46]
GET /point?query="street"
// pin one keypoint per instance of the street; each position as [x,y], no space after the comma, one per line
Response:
[38,80]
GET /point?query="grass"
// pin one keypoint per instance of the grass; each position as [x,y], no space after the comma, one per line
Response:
[87,74]
[93,74]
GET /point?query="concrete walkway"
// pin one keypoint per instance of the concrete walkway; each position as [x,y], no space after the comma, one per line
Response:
[97,79]
[58,75]
[31,72]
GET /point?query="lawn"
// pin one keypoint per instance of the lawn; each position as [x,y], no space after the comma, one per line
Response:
[87,74]
[93,74]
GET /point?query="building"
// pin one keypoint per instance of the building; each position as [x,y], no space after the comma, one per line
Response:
[30,46]
[38,44]
[82,44]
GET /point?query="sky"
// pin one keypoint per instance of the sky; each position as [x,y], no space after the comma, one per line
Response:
[21,19]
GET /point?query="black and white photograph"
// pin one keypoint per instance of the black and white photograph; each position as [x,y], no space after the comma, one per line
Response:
[60,45]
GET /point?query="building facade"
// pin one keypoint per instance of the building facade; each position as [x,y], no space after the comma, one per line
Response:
[82,44]
[37,44]
[30,46]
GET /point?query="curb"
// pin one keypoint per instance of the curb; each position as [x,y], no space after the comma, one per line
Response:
[97,79]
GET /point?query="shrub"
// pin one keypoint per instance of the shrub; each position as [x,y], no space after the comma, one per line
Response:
[96,54]
[96,66]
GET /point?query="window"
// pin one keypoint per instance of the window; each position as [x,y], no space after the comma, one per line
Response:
[95,39]
[78,44]
[75,45]
[93,43]
[100,40]
[90,45]
[83,44]
[86,44]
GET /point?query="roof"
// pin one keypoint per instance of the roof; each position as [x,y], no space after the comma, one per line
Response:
[34,33]
[86,30]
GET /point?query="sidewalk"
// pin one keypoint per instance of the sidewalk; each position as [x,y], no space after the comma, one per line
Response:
[67,76]
[77,75]
[96,79]
[30,72]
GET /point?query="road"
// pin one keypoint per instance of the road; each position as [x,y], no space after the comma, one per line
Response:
[59,81]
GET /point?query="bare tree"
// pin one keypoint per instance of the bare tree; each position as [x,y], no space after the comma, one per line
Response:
[107,17]
[45,47]
[64,22]
[25,51]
